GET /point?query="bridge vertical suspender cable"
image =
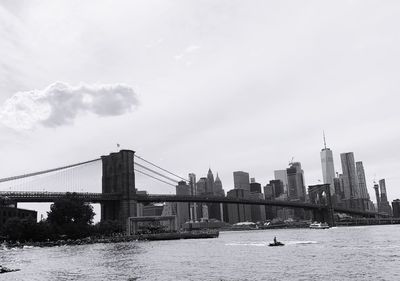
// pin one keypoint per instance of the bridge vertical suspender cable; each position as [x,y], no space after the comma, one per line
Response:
[47,171]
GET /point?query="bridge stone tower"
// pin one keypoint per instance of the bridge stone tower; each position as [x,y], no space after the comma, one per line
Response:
[320,194]
[119,178]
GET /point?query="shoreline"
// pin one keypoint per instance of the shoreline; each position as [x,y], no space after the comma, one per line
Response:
[115,239]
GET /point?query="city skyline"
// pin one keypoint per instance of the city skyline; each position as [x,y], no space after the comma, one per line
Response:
[129,130]
[210,88]
[355,185]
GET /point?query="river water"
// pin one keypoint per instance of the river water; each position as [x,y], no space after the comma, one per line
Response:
[342,253]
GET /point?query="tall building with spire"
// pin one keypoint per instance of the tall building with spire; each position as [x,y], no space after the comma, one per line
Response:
[210,182]
[218,189]
[328,168]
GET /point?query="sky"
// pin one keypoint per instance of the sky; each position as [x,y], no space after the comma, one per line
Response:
[193,85]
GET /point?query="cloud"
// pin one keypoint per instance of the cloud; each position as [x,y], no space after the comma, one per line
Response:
[188,50]
[60,104]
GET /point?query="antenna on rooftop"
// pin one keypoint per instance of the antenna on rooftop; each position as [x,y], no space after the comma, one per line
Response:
[291,161]
[323,133]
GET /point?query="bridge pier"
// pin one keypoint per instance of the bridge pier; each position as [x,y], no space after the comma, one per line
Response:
[318,194]
[119,178]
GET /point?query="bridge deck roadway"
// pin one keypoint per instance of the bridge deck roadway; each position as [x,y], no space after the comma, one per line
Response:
[33,197]
[214,199]
[49,197]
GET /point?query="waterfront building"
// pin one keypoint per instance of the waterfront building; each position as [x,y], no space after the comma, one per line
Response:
[153,209]
[140,206]
[350,181]
[384,203]
[182,208]
[169,209]
[296,186]
[328,168]
[238,212]
[257,211]
[396,208]
[241,180]
[7,212]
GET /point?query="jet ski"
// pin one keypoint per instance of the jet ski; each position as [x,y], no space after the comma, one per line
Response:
[276,244]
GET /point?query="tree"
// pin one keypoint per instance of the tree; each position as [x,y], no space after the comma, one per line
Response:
[16,229]
[70,209]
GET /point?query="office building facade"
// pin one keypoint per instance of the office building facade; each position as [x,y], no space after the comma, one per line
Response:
[296,185]
[350,180]
[328,168]
[241,180]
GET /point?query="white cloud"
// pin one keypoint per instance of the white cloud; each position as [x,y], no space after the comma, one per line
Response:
[60,104]
[190,49]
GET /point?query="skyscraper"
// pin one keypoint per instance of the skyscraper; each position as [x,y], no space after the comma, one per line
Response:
[384,204]
[210,182]
[255,187]
[218,189]
[182,207]
[241,180]
[202,186]
[282,176]
[361,180]
[295,177]
[328,169]
[396,208]
[238,212]
[378,197]
[257,211]
[350,181]
[193,191]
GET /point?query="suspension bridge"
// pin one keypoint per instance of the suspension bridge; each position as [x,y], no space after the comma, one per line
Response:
[119,197]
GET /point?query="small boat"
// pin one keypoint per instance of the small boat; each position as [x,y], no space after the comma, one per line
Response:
[319,225]
[276,244]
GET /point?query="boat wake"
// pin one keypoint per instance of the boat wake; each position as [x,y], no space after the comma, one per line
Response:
[263,244]
[301,242]
[257,244]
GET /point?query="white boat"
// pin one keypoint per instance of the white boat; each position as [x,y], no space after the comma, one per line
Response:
[319,225]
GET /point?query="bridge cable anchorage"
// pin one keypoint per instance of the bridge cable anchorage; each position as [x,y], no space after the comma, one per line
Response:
[47,171]
[148,162]
[155,172]
[154,177]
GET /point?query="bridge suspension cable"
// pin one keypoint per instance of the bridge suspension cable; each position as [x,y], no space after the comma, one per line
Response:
[47,171]
[148,162]
[155,172]
[153,177]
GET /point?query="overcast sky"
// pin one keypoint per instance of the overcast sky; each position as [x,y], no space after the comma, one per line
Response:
[231,85]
